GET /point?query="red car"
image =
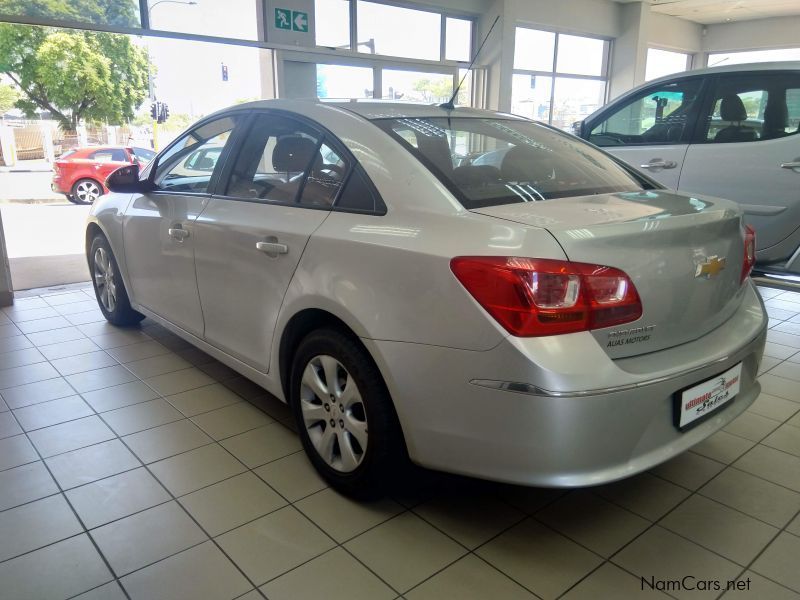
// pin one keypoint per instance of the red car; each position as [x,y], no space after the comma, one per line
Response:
[80,174]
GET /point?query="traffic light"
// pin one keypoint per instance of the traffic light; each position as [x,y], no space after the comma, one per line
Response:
[154,110]
[224,72]
[163,113]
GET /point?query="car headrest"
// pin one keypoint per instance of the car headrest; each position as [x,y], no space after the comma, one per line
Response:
[524,163]
[776,115]
[293,154]
[204,164]
[732,108]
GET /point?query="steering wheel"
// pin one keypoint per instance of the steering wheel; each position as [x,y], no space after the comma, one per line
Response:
[333,168]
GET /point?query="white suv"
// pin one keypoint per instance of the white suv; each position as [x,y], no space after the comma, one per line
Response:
[730,132]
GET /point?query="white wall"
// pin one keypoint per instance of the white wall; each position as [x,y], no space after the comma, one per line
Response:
[671,33]
[592,17]
[753,35]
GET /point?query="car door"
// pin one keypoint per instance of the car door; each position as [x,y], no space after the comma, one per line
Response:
[650,130]
[273,195]
[747,149]
[159,226]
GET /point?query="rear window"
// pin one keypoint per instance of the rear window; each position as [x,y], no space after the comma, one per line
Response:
[144,154]
[487,162]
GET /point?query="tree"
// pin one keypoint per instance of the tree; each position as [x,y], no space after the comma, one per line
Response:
[75,75]
[8,97]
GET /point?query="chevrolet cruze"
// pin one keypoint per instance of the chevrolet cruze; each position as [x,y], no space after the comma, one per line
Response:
[551,317]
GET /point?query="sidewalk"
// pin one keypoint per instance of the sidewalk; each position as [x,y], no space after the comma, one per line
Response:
[29,166]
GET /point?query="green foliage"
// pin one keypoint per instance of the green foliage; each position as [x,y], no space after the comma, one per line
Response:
[76,75]
[122,13]
[8,97]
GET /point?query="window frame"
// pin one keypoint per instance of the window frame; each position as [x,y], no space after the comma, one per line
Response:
[325,137]
[555,74]
[689,131]
[700,132]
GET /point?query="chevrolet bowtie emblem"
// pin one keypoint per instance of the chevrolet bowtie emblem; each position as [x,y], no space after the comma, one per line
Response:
[710,268]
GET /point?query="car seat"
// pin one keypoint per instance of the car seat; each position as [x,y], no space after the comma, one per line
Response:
[732,110]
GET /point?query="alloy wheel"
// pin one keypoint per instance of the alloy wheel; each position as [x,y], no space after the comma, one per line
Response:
[87,191]
[333,413]
[104,279]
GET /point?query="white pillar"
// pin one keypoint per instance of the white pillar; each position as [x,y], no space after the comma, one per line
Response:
[6,289]
[8,145]
[83,137]
[629,56]
[111,132]
[47,143]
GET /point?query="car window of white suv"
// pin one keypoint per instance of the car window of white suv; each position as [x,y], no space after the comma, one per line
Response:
[657,116]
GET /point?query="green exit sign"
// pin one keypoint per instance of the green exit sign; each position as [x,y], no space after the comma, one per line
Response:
[291,20]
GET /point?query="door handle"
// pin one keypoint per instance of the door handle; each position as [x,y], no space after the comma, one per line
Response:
[178,233]
[659,163]
[273,248]
[791,165]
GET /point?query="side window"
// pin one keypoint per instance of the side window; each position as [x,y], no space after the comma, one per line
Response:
[749,108]
[110,155]
[282,160]
[658,117]
[360,195]
[189,164]
[325,178]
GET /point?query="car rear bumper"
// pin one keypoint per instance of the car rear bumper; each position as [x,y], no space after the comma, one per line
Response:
[553,434]
[57,185]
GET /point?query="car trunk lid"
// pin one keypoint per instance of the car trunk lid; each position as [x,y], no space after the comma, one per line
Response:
[683,254]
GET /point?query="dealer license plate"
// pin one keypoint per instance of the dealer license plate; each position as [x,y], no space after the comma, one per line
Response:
[704,398]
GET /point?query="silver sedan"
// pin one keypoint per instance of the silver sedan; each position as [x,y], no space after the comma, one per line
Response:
[469,290]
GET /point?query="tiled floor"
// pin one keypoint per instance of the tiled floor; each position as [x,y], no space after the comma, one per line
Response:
[134,466]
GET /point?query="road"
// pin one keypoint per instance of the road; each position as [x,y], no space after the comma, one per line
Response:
[45,243]
[35,185]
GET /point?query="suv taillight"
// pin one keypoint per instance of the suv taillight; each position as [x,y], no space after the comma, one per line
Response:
[536,297]
[749,252]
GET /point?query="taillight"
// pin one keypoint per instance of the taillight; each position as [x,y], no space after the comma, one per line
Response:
[749,252]
[536,297]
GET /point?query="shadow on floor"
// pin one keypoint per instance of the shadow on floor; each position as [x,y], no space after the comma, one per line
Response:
[46,271]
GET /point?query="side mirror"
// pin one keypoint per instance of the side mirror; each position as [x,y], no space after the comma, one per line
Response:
[577,128]
[125,180]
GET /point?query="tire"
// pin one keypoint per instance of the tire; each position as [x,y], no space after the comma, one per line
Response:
[71,198]
[86,191]
[344,429]
[109,289]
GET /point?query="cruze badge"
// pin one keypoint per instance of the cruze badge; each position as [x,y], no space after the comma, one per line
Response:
[710,268]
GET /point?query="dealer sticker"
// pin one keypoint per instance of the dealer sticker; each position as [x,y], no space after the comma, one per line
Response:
[700,400]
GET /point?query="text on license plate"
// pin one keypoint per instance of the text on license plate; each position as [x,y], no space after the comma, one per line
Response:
[705,397]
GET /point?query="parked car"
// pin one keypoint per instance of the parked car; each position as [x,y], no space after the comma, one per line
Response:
[80,174]
[557,320]
[730,132]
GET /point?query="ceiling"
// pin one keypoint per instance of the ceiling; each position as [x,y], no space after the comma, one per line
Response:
[708,12]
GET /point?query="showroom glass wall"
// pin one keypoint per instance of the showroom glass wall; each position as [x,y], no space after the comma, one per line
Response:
[558,78]
[665,62]
[391,52]
[753,56]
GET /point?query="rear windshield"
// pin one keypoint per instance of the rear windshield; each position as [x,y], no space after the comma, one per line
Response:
[486,162]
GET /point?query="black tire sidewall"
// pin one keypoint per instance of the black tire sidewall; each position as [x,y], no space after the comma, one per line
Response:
[122,314]
[369,478]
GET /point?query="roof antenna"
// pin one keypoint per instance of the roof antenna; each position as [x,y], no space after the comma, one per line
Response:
[449,105]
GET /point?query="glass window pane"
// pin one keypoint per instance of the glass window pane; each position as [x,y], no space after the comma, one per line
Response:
[738,58]
[658,117]
[190,163]
[396,31]
[121,13]
[509,160]
[530,96]
[232,18]
[580,55]
[342,81]
[575,99]
[458,41]
[533,49]
[415,86]
[325,178]
[275,156]
[663,62]
[332,23]
[464,97]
